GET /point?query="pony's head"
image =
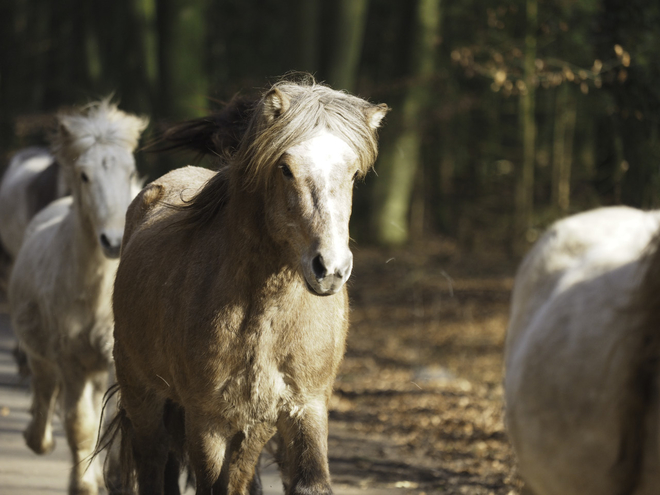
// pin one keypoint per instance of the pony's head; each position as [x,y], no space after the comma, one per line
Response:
[304,148]
[95,148]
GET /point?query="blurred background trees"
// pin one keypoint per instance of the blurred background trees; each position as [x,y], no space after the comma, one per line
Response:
[507,114]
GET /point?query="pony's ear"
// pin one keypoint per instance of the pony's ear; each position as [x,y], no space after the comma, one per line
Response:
[275,104]
[63,128]
[135,125]
[375,114]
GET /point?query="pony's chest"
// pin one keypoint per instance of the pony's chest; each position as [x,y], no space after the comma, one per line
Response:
[254,394]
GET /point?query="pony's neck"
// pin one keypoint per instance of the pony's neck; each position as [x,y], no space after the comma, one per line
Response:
[259,254]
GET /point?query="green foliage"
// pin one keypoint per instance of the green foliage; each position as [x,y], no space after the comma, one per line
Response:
[457,115]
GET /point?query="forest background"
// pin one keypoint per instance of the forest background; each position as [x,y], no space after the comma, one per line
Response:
[506,114]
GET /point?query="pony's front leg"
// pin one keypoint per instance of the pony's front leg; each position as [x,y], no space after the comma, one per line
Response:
[305,441]
[45,385]
[239,472]
[206,444]
[81,423]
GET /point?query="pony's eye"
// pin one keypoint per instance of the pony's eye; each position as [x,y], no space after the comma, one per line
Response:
[286,171]
[84,177]
[355,175]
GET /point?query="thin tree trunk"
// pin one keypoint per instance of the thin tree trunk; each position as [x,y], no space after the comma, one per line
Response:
[181,47]
[525,185]
[350,31]
[558,142]
[402,158]
[564,172]
[308,32]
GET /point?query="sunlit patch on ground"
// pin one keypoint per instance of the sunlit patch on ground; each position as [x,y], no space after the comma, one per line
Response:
[418,400]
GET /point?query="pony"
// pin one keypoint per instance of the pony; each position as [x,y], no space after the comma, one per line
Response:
[581,353]
[60,287]
[32,180]
[230,300]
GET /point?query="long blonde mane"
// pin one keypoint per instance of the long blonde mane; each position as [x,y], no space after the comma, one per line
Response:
[310,109]
[99,122]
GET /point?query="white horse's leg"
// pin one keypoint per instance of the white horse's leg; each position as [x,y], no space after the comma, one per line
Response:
[100,384]
[45,384]
[81,423]
[107,411]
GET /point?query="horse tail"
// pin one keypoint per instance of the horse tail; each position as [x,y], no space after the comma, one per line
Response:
[177,458]
[119,471]
[643,375]
[218,134]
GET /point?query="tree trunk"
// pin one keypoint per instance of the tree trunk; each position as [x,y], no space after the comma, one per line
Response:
[525,183]
[401,158]
[181,46]
[562,154]
[308,35]
[350,31]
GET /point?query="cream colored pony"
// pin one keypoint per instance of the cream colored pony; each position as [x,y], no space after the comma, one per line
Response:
[230,300]
[61,285]
[582,351]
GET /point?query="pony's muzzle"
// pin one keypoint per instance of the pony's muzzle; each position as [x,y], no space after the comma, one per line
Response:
[328,277]
[111,245]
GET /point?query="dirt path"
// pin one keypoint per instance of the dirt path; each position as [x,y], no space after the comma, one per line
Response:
[418,402]
[24,473]
[420,390]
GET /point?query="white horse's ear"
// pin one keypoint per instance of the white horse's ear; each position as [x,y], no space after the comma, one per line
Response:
[375,115]
[63,128]
[135,126]
[143,123]
[275,104]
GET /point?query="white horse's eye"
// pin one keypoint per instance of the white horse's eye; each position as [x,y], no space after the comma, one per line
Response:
[286,171]
[355,175]
[84,177]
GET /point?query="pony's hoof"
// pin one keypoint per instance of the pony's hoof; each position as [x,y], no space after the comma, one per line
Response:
[40,445]
[83,489]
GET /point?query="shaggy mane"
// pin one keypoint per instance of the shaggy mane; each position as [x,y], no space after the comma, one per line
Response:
[262,138]
[99,122]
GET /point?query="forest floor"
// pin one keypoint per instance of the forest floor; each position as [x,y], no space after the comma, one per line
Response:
[418,405]
[418,401]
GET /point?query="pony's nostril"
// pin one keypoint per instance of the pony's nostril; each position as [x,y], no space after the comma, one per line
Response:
[318,267]
[105,242]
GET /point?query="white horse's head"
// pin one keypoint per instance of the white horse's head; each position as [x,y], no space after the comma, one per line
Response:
[326,141]
[95,148]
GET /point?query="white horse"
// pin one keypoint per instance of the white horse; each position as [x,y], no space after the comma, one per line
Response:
[61,284]
[32,180]
[581,385]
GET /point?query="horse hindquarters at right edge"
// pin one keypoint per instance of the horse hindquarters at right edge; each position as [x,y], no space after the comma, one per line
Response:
[582,352]
[230,300]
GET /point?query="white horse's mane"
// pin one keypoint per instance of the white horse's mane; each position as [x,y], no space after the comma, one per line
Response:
[98,122]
